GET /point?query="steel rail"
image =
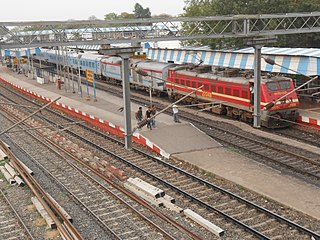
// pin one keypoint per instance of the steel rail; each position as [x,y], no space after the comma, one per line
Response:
[43,198]
[264,210]
[61,184]
[17,215]
[119,188]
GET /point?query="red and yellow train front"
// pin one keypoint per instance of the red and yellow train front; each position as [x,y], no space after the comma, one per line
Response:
[284,110]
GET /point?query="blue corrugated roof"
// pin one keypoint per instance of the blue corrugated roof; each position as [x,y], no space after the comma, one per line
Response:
[302,60]
[308,52]
[21,53]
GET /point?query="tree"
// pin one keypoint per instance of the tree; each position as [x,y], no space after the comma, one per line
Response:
[92,17]
[111,16]
[140,12]
[125,15]
[233,7]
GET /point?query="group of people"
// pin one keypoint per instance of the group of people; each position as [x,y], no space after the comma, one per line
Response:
[150,115]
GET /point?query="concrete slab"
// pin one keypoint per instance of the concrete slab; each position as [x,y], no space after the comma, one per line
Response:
[178,138]
[257,177]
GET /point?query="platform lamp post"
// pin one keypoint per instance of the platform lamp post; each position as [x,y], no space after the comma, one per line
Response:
[124,53]
[126,100]
[257,44]
[79,75]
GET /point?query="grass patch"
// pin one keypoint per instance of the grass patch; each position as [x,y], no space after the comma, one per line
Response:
[236,150]
[3,162]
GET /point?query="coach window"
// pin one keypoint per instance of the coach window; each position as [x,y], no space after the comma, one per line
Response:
[244,94]
[236,92]
[228,91]
[182,82]
[194,84]
[220,89]
[206,87]
[213,88]
[188,83]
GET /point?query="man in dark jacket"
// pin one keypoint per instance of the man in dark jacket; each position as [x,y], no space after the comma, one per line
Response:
[148,116]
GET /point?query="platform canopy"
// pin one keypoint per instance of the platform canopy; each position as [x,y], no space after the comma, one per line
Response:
[303,60]
[20,53]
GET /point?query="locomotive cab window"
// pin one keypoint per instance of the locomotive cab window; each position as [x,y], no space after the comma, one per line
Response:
[273,86]
[284,85]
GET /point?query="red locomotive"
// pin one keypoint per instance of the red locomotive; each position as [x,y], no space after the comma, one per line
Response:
[231,93]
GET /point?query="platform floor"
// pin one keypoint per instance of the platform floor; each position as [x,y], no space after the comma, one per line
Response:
[309,109]
[258,178]
[191,145]
[107,108]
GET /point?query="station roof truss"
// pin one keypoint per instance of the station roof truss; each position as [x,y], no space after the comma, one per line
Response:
[99,32]
[303,60]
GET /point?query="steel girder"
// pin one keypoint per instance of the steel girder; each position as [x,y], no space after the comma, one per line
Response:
[97,32]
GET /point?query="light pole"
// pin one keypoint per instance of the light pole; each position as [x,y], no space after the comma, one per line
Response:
[150,90]
[126,101]
[79,76]
[257,44]
[73,91]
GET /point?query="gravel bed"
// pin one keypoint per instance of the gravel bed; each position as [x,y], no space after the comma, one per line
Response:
[83,221]
[255,197]
[28,213]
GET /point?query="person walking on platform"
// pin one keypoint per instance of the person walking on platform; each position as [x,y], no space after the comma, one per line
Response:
[139,114]
[175,113]
[148,116]
[153,113]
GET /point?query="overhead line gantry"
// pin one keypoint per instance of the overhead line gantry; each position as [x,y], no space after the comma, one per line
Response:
[66,33]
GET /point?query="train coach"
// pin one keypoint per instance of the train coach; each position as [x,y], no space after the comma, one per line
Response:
[157,73]
[229,90]
[231,93]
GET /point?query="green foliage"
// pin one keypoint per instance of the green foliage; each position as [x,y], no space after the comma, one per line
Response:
[195,8]
[140,12]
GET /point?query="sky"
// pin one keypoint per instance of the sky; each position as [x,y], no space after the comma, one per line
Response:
[40,10]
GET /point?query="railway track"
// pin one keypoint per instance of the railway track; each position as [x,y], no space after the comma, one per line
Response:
[307,135]
[277,153]
[219,204]
[11,224]
[122,215]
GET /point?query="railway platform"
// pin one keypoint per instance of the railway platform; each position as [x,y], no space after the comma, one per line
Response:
[183,142]
[309,113]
